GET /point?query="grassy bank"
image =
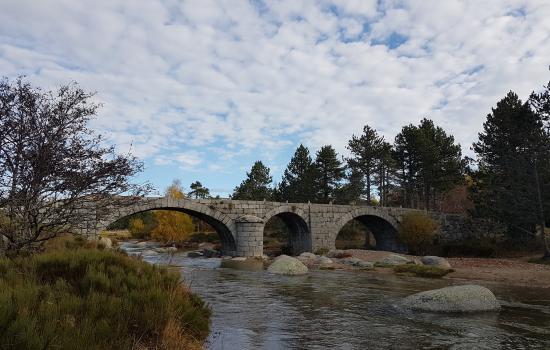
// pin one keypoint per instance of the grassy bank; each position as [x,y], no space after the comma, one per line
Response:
[93,299]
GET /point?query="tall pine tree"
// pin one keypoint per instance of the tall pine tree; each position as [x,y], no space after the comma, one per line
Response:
[299,178]
[513,158]
[330,173]
[429,163]
[365,150]
[256,186]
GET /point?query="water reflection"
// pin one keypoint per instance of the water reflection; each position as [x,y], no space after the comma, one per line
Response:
[350,310]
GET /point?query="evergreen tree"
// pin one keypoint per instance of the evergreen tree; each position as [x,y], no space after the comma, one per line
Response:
[354,188]
[541,104]
[256,184]
[365,150]
[198,190]
[299,178]
[429,163]
[406,155]
[330,173]
[385,172]
[513,160]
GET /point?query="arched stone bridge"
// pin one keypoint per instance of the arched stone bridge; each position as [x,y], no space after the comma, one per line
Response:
[240,224]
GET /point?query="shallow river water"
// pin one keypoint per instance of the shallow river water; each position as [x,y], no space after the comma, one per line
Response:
[349,310]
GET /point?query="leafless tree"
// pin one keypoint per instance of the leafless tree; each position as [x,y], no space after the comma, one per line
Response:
[52,165]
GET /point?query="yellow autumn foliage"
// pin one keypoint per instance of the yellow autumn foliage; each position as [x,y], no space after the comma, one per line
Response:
[173,226]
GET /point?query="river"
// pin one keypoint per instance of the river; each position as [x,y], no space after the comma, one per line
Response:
[349,310]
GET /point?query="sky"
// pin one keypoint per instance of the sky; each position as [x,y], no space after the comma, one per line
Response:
[199,90]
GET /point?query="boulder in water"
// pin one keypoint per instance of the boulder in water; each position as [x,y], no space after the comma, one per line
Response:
[394,260]
[308,255]
[287,265]
[466,298]
[323,260]
[436,261]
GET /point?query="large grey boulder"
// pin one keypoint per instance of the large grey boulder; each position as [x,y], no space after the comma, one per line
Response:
[466,298]
[287,265]
[394,259]
[436,261]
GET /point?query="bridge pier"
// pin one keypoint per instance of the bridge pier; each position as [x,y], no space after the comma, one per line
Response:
[250,231]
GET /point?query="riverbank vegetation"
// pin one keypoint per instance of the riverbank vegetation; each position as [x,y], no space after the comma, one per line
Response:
[93,299]
[76,294]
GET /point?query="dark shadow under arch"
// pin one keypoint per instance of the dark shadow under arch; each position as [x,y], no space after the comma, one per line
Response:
[227,240]
[298,233]
[385,234]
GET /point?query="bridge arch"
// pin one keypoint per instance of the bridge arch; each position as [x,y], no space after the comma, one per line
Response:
[223,224]
[296,221]
[383,226]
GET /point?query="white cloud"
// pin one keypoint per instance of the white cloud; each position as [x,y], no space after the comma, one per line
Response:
[199,82]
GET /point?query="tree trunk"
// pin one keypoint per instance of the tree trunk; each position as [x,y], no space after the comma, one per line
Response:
[542,222]
[368,187]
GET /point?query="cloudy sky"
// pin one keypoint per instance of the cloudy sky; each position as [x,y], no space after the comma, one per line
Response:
[201,89]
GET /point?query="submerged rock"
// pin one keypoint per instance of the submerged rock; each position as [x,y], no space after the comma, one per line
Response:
[166,250]
[436,261]
[210,253]
[351,261]
[365,264]
[466,298]
[195,254]
[238,258]
[394,259]
[141,244]
[287,265]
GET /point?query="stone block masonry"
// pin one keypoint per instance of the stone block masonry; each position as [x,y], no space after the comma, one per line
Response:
[240,224]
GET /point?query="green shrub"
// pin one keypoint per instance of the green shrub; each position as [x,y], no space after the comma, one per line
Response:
[421,270]
[417,231]
[199,237]
[470,247]
[321,251]
[91,299]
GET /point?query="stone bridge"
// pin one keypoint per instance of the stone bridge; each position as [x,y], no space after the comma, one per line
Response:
[240,224]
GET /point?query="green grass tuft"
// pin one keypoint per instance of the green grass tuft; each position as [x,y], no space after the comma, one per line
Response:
[422,270]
